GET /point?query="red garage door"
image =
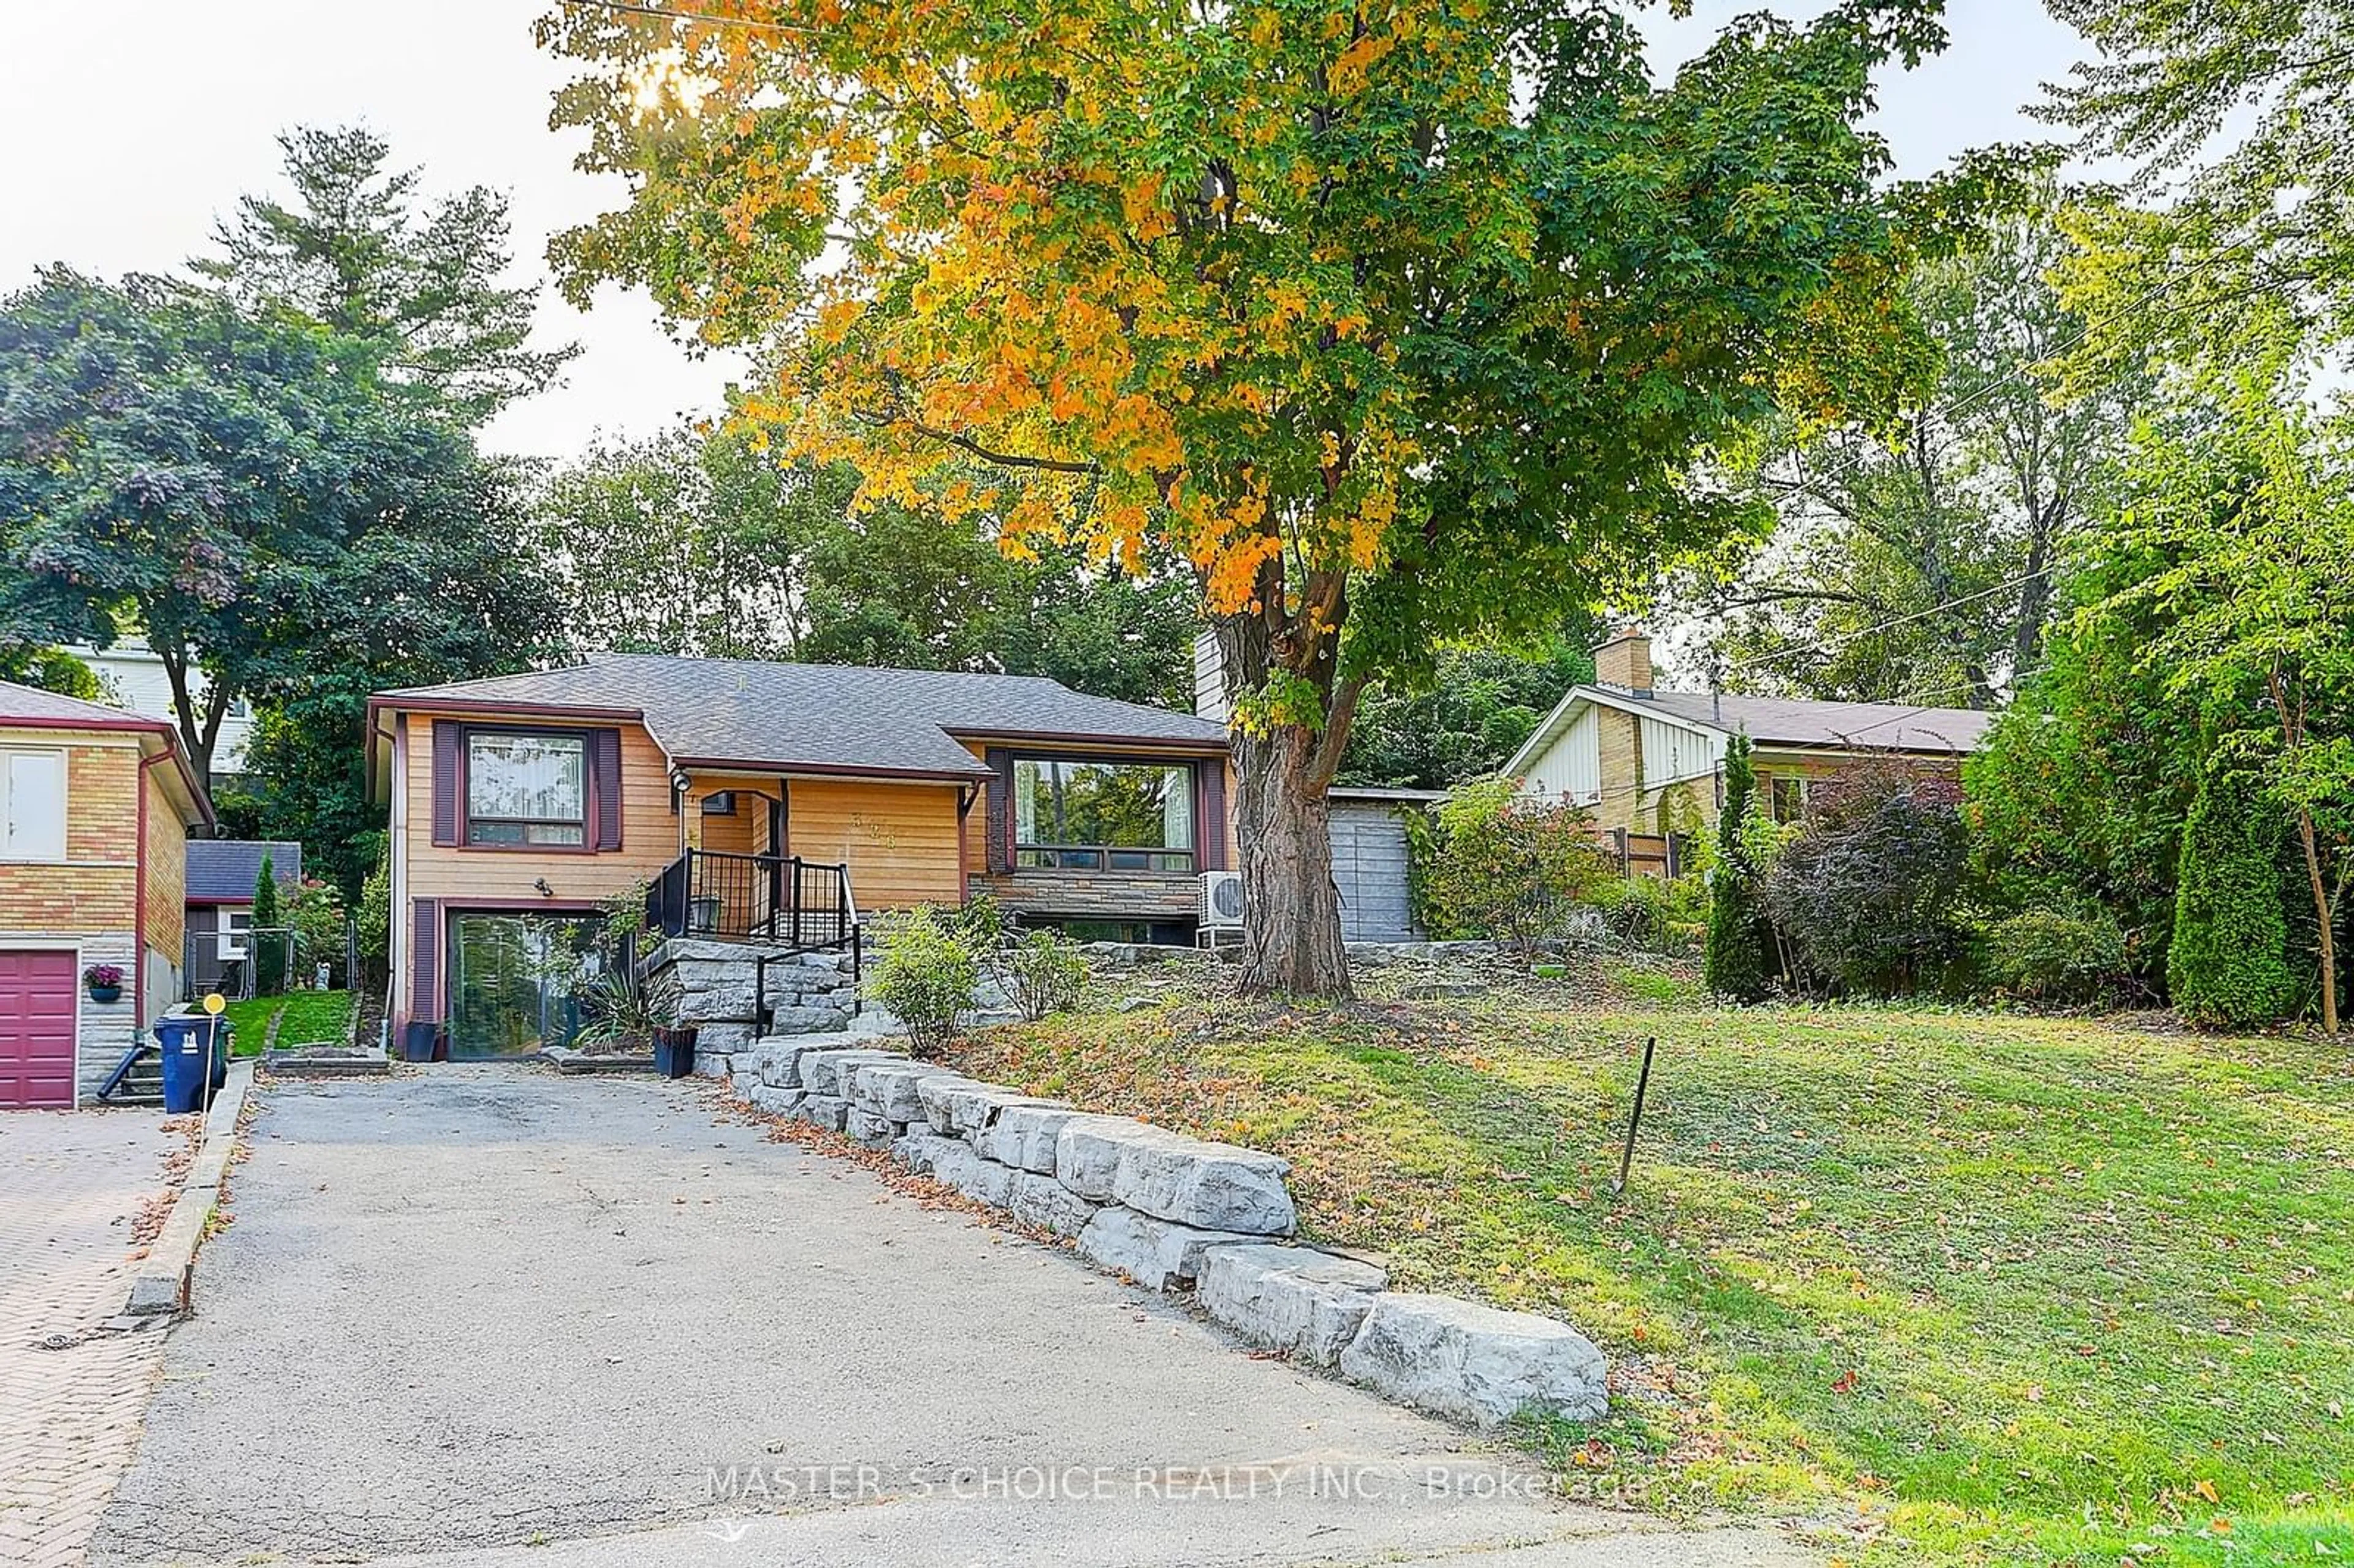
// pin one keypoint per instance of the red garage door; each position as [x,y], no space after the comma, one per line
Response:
[36,1028]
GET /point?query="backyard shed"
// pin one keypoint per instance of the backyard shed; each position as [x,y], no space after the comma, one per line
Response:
[1370,861]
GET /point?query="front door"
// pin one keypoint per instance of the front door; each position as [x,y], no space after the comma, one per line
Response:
[514,981]
[38,1008]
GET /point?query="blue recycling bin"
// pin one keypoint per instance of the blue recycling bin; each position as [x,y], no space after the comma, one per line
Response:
[187,1065]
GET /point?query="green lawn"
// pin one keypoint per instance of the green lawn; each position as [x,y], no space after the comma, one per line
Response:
[1959,1287]
[310,1017]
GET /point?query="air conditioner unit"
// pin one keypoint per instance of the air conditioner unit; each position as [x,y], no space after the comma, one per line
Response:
[1222,898]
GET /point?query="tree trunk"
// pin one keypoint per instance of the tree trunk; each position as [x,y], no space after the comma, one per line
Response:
[2328,940]
[1292,925]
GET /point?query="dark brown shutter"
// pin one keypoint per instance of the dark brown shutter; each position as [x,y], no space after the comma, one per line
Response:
[449,747]
[425,960]
[1001,810]
[605,769]
[1210,833]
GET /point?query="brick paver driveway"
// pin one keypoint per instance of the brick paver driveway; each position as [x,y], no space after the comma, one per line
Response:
[71,1184]
[493,1316]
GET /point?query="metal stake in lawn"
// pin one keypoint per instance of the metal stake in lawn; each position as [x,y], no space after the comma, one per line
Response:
[1642,1083]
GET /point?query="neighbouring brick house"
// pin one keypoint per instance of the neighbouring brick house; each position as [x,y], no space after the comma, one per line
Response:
[519,804]
[95,809]
[1649,764]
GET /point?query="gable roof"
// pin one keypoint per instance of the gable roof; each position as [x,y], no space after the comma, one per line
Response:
[828,718]
[224,870]
[29,707]
[1796,720]
[1776,721]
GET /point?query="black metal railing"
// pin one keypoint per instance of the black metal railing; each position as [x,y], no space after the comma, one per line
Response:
[766,898]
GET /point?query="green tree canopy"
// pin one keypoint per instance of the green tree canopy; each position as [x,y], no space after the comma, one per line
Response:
[1389,326]
[685,544]
[356,251]
[1922,570]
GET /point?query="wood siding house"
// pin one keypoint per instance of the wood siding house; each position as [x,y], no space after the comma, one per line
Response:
[1648,765]
[95,809]
[537,798]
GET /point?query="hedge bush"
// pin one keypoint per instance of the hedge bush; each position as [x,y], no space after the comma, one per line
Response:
[2228,963]
[2046,955]
[1733,959]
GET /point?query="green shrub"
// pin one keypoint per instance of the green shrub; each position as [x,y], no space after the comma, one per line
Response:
[2228,963]
[927,977]
[1494,867]
[2049,956]
[1655,915]
[1041,972]
[314,913]
[374,919]
[1734,957]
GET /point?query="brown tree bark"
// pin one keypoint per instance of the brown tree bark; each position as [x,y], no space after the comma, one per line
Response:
[2321,907]
[1292,907]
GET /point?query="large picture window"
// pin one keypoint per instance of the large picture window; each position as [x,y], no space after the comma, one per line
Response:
[526,788]
[1077,815]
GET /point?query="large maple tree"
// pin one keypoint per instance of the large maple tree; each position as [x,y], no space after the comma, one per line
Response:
[1394,321]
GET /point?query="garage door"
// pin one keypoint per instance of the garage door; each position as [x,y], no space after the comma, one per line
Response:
[36,1028]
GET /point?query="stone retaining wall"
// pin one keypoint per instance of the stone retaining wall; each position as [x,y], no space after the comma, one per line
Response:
[715,987]
[1180,1214]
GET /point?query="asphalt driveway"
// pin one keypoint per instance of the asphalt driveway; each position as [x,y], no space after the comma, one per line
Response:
[483,1315]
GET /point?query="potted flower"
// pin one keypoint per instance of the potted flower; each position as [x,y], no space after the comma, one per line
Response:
[105,982]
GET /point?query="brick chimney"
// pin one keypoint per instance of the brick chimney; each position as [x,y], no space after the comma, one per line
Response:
[1623,662]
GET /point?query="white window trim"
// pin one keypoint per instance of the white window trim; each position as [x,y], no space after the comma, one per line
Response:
[223,932]
[65,804]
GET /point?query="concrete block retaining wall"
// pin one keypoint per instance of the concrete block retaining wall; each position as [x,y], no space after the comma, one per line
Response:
[1179,1214]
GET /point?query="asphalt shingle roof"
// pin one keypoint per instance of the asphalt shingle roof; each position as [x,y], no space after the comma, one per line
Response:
[225,870]
[834,717]
[1797,721]
[48,707]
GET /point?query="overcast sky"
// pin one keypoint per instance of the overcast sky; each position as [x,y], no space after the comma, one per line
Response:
[127,132]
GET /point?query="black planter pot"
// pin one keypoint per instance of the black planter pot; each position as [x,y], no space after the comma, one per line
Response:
[674,1053]
[102,994]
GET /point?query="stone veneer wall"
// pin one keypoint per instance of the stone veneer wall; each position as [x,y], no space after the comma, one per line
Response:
[1174,1213]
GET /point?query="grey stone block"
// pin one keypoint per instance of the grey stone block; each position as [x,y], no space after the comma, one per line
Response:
[890,1088]
[1156,1254]
[820,1069]
[920,1150]
[966,1107]
[1306,1303]
[954,1164]
[1024,1134]
[712,1064]
[730,1002]
[724,1038]
[821,1110]
[1089,1151]
[1045,1202]
[873,1131]
[802,1019]
[1472,1363]
[773,1100]
[1210,1186]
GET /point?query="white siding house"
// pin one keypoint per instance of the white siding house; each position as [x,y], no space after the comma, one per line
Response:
[134,677]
